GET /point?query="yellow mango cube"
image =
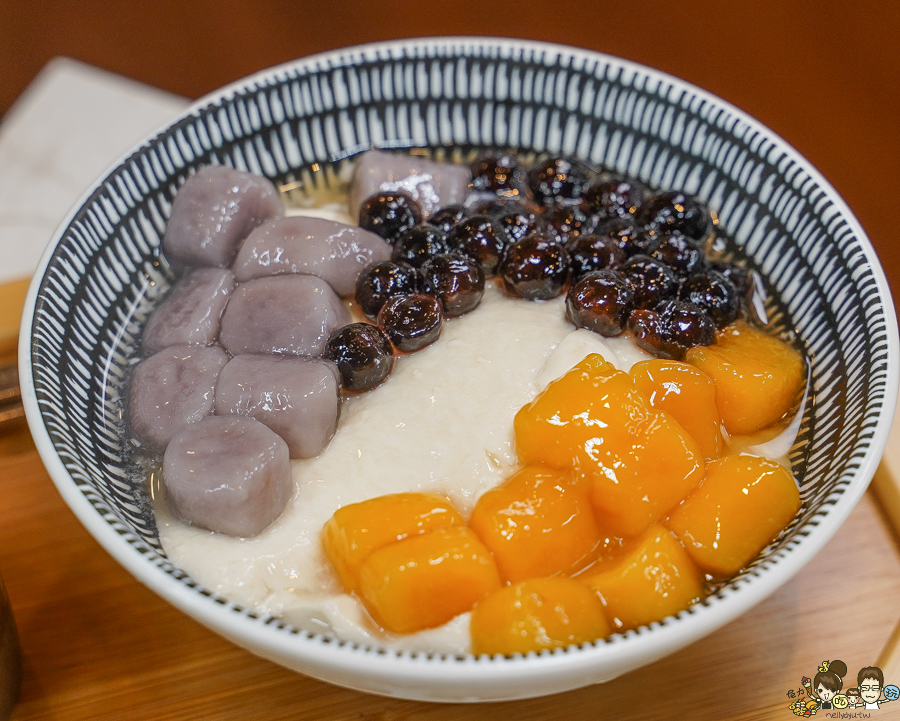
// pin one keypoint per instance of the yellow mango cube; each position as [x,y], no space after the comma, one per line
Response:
[758,377]
[425,581]
[656,578]
[554,428]
[358,529]
[740,507]
[537,523]
[542,613]
[688,395]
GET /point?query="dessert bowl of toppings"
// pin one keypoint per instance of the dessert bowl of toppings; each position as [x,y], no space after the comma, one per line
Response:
[461,369]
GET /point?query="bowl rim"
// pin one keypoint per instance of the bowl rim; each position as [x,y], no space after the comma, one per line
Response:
[343,657]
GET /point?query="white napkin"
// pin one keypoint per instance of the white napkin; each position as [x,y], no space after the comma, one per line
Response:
[71,124]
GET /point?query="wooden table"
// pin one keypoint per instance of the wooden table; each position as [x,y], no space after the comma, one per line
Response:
[98,645]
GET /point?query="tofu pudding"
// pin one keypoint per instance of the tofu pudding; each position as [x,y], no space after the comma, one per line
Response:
[471,415]
[427,428]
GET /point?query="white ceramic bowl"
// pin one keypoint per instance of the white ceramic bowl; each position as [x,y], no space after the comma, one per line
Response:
[102,274]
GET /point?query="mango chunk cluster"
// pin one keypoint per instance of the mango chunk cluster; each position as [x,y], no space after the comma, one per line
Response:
[638,462]
[627,501]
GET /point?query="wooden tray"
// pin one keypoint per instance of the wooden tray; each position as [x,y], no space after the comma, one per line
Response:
[99,645]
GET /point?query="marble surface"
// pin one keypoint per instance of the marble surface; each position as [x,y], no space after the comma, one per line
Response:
[72,124]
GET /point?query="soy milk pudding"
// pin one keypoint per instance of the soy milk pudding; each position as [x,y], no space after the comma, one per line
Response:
[448,420]
[426,429]
[442,423]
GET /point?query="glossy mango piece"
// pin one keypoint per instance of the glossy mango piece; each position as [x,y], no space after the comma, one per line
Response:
[688,395]
[740,507]
[656,578]
[537,523]
[639,483]
[542,613]
[356,530]
[639,462]
[758,377]
[553,428]
[425,581]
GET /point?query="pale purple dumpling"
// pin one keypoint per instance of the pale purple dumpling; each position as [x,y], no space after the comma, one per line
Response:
[172,389]
[288,314]
[433,185]
[298,398]
[229,474]
[214,211]
[335,252]
[192,312]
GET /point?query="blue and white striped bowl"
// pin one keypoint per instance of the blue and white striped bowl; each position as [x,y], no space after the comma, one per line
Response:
[102,275]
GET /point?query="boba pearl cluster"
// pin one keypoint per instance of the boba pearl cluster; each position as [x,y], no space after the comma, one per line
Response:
[245,361]
[629,259]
